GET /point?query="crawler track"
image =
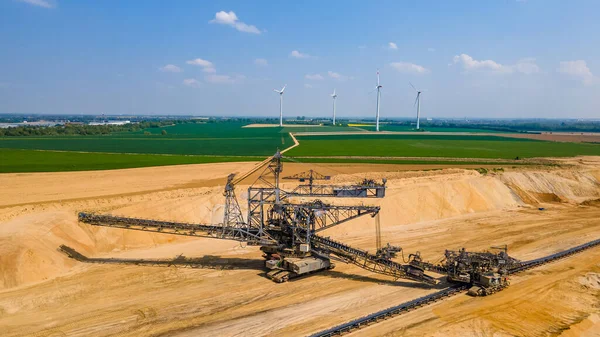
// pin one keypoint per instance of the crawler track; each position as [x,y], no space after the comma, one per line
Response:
[437,296]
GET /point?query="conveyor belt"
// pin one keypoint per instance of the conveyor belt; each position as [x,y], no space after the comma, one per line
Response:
[553,257]
[391,312]
[219,231]
[371,262]
[422,301]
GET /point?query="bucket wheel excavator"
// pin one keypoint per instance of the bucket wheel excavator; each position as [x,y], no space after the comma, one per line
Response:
[288,232]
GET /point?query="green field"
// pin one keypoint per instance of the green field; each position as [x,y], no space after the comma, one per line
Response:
[411,128]
[327,128]
[53,161]
[215,139]
[223,139]
[227,142]
[436,146]
[12,160]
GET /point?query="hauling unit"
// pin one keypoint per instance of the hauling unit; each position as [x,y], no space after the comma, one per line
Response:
[486,272]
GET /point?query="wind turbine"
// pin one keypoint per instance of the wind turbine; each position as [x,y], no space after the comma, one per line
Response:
[334,96]
[280,92]
[378,87]
[417,103]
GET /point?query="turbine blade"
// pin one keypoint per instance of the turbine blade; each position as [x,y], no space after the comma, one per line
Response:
[416,99]
[275,90]
[282,89]
[412,86]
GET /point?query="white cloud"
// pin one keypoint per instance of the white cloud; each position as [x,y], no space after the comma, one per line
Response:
[207,66]
[431,49]
[330,74]
[308,86]
[469,63]
[315,77]
[525,66]
[261,62]
[220,79]
[578,69]
[334,74]
[39,3]
[230,19]
[200,62]
[409,68]
[299,55]
[392,46]
[191,82]
[338,76]
[170,68]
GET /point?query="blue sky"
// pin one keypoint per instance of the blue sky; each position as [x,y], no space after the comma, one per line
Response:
[497,59]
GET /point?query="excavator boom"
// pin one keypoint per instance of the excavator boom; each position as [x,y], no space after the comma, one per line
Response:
[246,234]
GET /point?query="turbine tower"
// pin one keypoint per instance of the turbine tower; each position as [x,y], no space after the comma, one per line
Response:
[334,96]
[378,87]
[417,103]
[280,92]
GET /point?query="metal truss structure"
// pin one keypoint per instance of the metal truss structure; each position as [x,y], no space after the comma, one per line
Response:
[282,228]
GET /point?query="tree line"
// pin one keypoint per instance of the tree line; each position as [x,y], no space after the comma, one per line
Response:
[81,129]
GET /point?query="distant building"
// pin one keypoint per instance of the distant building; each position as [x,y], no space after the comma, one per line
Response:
[26,123]
[110,123]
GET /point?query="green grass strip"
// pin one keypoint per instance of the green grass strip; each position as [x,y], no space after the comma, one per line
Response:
[15,160]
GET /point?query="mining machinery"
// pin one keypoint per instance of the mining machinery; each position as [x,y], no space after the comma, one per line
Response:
[486,272]
[364,189]
[309,175]
[287,232]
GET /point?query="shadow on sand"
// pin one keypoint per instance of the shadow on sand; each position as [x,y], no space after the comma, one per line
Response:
[220,263]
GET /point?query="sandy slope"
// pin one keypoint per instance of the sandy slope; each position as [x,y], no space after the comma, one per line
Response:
[45,294]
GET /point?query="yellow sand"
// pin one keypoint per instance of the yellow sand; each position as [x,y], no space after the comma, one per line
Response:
[43,293]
